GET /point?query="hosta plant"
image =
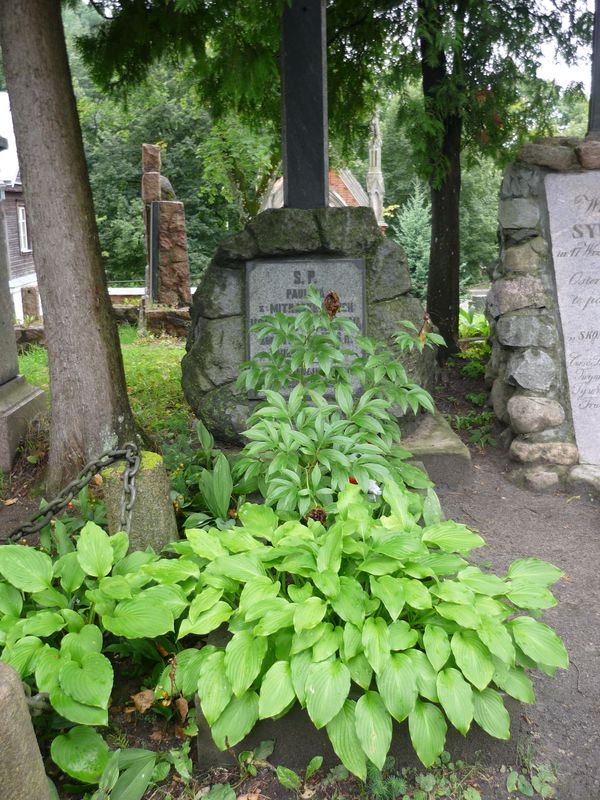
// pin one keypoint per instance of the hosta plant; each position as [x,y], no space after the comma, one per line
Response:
[363,622]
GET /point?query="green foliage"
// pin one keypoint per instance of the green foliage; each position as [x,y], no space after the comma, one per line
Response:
[532,779]
[447,779]
[306,446]
[411,228]
[478,423]
[472,323]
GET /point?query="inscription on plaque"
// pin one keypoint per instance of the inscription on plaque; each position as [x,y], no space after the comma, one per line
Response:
[273,286]
[574,208]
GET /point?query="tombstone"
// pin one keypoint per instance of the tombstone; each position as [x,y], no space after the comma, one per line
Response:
[30,300]
[19,402]
[544,306]
[168,277]
[269,265]
[22,774]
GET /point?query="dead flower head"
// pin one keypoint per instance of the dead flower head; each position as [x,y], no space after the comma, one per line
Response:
[332,304]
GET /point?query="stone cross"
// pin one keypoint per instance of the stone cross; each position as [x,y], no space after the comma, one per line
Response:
[594,109]
[304,98]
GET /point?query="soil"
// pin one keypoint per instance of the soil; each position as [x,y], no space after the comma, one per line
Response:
[563,728]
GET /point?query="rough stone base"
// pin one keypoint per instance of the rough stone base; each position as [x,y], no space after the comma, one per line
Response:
[297,741]
[20,403]
[153,522]
[446,459]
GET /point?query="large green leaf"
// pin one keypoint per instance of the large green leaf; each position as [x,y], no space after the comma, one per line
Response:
[456,698]
[139,618]
[135,779]
[80,644]
[352,639]
[361,671]
[452,537]
[309,613]
[402,636]
[535,570]
[276,691]
[77,712]
[416,594]
[473,658]
[437,645]
[427,728]
[236,721]
[81,753]
[490,713]
[189,666]
[465,616]
[94,551]
[259,520]
[374,727]
[391,593]
[397,684]
[327,687]
[349,604]
[23,655]
[214,688]
[376,642]
[300,663]
[496,638]
[11,601]
[68,569]
[44,623]
[205,543]
[345,742]
[425,674]
[207,621]
[244,655]
[539,642]
[514,682]
[204,601]
[171,570]
[26,568]
[90,682]
[47,668]
[526,594]
[482,582]
[255,591]
[330,552]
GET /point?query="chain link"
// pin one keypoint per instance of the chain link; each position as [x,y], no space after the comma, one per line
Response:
[129,453]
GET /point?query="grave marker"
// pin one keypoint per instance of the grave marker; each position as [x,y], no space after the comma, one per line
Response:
[574,209]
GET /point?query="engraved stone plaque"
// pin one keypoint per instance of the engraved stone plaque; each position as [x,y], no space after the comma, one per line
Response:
[281,285]
[574,209]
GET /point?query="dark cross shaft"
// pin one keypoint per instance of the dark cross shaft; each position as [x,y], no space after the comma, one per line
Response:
[304,101]
[594,110]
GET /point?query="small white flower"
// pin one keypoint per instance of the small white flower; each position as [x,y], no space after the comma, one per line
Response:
[374,490]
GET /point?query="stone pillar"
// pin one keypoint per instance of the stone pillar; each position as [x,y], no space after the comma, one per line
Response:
[22,774]
[19,402]
[168,279]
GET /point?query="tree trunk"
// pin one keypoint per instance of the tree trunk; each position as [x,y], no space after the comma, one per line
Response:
[90,407]
[444,255]
[443,300]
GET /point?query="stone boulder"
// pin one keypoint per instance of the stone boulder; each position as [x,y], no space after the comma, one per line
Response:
[531,369]
[532,414]
[217,342]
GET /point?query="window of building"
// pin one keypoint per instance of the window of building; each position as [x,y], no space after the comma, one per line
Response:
[24,244]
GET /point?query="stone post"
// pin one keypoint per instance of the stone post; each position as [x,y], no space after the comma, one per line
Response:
[19,402]
[22,774]
[153,519]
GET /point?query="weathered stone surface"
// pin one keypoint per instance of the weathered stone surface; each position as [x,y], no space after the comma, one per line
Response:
[173,266]
[153,521]
[283,231]
[526,257]
[530,414]
[446,459]
[30,335]
[236,249]
[224,344]
[514,236]
[531,369]
[150,158]
[224,411]
[511,295]
[519,212]
[555,157]
[20,403]
[521,180]
[22,774]
[525,330]
[170,321]
[546,453]
[538,479]
[30,300]
[347,230]
[389,276]
[220,293]
[588,154]
[495,366]
[150,187]
[586,476]
[500,394]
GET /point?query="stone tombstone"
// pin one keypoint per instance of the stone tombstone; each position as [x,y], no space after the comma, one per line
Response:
[321,239]
[276,285]
[574,211]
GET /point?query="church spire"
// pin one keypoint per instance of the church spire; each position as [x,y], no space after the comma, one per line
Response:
[375,184]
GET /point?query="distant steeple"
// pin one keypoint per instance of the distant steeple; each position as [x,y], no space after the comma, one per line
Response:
[375,184]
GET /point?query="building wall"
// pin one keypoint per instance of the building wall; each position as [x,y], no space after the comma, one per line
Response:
[21,264]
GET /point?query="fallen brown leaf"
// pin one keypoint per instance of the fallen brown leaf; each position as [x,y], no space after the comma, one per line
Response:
[10,502]
[182,705]
[157,736]
[143,700]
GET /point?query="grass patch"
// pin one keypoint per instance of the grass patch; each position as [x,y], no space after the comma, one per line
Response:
[153,374]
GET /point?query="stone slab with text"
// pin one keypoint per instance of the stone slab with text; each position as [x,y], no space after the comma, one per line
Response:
[574,211]
[281,285]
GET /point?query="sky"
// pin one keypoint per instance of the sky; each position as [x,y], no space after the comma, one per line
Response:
[557,70]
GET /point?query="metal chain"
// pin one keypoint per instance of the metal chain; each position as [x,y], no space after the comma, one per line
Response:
[129,453]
